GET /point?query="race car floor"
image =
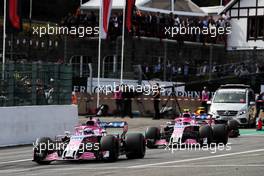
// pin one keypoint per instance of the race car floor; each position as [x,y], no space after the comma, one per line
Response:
[245,156]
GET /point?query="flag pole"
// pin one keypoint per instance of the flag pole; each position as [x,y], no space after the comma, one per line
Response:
[30,13]
[172,5]
[99,54]
[123,44]
[4,42]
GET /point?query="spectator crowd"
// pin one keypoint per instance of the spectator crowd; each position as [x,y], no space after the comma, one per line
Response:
[149,24]
[190,70]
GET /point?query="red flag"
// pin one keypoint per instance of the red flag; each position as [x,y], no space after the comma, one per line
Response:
[14,22]
[225,2]
[130,5]
[106,13]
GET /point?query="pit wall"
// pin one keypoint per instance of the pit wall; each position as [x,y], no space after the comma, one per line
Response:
[22,125]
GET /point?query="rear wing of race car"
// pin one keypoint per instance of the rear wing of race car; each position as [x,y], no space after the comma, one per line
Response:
[120,124]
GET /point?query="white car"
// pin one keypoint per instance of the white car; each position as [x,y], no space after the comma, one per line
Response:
[234,101]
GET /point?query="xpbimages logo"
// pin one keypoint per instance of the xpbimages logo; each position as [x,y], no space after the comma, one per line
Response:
[212,147]
[211,31]
[63,30]
[80,146]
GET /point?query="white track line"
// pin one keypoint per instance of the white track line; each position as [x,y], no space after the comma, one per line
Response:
[253,135]
[162,163]
[207,166]
[16,161]
[51,170]
[197,159]
[15,153]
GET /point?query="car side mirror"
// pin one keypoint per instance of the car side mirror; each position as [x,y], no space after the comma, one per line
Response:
[252,103]
[209,102]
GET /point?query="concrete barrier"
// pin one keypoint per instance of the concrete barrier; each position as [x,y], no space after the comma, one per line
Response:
[22,125]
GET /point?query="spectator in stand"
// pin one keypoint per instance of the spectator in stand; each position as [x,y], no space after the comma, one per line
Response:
[152,25]
[177,21]
[186,70]
[146,70]
[174,70]
[257,68]
[179,70]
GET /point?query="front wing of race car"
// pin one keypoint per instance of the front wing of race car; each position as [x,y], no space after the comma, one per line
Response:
[180,134]
[78,148]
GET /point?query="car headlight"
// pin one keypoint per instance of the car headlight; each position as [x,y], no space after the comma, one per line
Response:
[242,112]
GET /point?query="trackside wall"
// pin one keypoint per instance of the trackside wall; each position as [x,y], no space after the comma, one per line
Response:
[22,125]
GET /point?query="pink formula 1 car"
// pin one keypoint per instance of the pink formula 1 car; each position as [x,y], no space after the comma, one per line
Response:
[90,141]
[191,129]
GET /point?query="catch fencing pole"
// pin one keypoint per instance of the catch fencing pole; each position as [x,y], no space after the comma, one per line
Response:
[99,53]
[123,44]
[4,42]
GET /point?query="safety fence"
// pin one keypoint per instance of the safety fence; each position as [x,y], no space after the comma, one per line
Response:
[36,84]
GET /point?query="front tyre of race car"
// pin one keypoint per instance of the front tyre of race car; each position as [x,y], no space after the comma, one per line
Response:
[206,132]
[42,149]
[110,144]
[233,128]
[152,134]
[220,133]
[135,146]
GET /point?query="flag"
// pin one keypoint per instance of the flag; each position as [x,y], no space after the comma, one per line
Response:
[225,2]
[13,16]
[105,13]
[130,5]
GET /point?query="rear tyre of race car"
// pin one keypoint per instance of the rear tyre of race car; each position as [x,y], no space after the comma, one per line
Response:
[152,134]
[206,132]
[42,150]
[220,133]
[135,146]
[233,130]
[110,144]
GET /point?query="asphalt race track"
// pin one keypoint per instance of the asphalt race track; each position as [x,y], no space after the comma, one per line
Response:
[246,157]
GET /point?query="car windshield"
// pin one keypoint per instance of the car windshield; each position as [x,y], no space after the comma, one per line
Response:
[230,97]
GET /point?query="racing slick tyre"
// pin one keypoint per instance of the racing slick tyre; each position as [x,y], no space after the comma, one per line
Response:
[135,146]
[42,149]
[233,130]
[220,133]
[206,132]
[152,134]
[110,143]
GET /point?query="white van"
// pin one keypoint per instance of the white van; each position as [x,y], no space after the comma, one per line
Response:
[234,101]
